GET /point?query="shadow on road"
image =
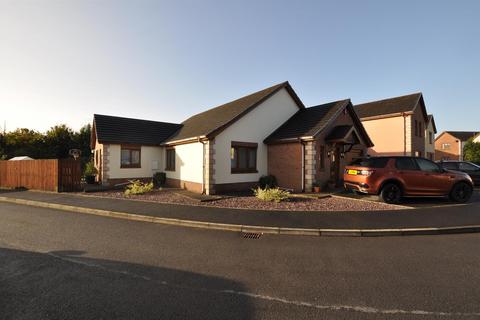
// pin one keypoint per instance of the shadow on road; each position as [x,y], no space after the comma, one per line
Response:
[65,285]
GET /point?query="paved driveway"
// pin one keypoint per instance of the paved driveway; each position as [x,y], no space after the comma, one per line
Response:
[421,202]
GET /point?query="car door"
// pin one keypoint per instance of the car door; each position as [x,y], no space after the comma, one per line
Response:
[409,173]
[472,170]
[434,180]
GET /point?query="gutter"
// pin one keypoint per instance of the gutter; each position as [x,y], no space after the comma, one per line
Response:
[303,164]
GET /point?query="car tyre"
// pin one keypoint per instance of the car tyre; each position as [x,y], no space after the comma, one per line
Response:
[461,192]
[391,193]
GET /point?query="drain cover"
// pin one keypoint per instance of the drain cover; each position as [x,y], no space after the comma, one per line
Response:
[251,235]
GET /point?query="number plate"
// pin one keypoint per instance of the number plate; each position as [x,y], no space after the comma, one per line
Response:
[354,172]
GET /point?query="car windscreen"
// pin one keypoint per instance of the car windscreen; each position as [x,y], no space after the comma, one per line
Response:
[371,162]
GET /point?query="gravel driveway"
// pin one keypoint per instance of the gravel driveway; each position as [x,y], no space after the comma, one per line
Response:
[250,202]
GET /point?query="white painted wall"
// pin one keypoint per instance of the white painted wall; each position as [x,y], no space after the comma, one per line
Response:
[255,126]
[148,155]
[188,163]
[477,139]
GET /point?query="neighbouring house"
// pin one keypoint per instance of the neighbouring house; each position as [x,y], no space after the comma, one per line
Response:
[228,148]
[449,144]
[430,132]
[477,138]
[21,158]
[397,126]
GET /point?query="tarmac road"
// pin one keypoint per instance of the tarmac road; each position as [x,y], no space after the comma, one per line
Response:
[62,265]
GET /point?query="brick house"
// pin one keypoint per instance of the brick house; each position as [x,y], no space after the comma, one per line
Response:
[229,147]
[449,144]
[397,126]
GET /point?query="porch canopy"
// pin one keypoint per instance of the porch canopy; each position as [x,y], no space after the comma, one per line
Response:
[343,135]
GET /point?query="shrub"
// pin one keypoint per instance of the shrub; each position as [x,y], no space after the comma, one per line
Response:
[271,194]
[90,169]
[471,151]
[159,179]
[137,187]
[267,182]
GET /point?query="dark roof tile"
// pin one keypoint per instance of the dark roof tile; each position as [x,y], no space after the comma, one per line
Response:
[388,106]
[463,135]
[210,122]
[110,129]
[308,122]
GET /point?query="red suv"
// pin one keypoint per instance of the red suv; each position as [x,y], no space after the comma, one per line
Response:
[395,177]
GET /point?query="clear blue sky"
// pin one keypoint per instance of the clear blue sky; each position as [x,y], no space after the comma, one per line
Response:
[62,61]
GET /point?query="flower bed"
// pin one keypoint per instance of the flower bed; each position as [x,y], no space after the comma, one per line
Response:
[250,202]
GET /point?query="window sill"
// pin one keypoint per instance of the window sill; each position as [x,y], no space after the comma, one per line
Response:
[169,169]
[130,167]
[243,171]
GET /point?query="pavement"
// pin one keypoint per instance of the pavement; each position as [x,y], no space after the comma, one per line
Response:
[63,265]
[443,217]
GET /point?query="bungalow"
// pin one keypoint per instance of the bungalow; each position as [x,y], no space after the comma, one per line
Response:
[228,148]
[449,144]
[397,125]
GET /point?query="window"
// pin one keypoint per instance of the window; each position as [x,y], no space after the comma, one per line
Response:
[130,157]
[430,137]
[465,166]
[243,157]
[322,156]
[371,162]
[405,164]
[445,146]
[426,165]
[170,161]
[416,128]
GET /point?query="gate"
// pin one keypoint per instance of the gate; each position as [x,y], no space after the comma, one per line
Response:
[48,175]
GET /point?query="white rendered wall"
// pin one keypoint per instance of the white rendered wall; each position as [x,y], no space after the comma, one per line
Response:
[188,163]
[150,155]
[254,127]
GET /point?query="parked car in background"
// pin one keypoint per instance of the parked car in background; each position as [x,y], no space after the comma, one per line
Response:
[395,177]
[469,168]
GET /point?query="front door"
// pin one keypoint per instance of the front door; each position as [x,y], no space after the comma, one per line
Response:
[335,166]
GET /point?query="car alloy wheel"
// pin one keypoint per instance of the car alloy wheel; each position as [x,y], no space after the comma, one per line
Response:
[461,192]
[391,193]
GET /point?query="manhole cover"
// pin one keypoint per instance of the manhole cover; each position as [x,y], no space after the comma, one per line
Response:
[251,235]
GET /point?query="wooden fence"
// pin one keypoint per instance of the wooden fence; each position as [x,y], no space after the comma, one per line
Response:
[49,175]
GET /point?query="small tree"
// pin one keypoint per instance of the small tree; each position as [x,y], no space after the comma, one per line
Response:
[471,151]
